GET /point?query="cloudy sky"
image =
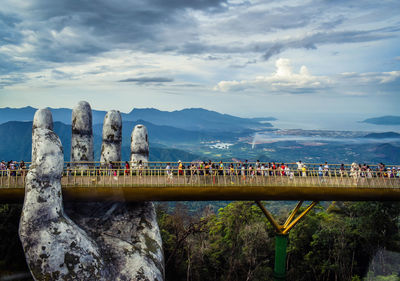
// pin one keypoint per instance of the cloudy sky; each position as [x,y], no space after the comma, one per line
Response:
[247,58]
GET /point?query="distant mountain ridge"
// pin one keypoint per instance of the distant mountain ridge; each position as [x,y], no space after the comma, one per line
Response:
[383,120]
[16,142]
[385,135]
[193,119]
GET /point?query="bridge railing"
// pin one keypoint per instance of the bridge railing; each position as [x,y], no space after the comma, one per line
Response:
[158,174]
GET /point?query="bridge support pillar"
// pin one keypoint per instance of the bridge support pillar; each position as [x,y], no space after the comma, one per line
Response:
[281,241]
[281,238]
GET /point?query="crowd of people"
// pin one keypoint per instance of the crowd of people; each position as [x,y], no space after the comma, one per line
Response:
[245,169]
[12,168]
[250,170]
[365,171]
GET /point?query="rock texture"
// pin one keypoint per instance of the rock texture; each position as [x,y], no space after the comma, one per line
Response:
[82,135]
[128,236]
[42,119]
[55,247]
[127,233]
[103,241]
[112,137]
[139,145]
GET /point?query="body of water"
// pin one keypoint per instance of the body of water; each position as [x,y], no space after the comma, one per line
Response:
[336,122]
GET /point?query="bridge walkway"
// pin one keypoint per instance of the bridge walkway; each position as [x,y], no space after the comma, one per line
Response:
[154,182]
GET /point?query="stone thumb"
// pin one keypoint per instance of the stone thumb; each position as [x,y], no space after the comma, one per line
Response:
[55,247]
[43,181]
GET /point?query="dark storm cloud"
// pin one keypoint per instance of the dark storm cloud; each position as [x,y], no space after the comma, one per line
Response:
[150,80]
[121,21]
[76,31]
[95,27]
[274,50]
[269,49]
[8,33]
[59,75]
[338,37]
[11,80]
[193,4]
[267,20]
[8,65]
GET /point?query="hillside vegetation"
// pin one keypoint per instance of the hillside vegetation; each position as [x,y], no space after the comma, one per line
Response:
[347,241]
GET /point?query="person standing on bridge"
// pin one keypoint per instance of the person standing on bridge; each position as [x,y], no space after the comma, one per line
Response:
[342,170]
[22,166]
[354,172]
[140,168]
[326,169]
[320,172]
[221,168]
[251,173]
[369,172]
[127,168]
[246,166]
[243,172]
[169,174]
[381,169]
[304,170]
[263,168]
[206,168]
[3,168]
[258,168]
[273,169]
[232,173]
[180,168]
[269,169]
[191,172]
[288,172]
[299,166]
[12,168]
[283,168]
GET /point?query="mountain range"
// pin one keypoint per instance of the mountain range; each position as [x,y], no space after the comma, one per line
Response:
[385,135]
[383,120]
[16,142]
[167,130]
[193,134]
[194,119]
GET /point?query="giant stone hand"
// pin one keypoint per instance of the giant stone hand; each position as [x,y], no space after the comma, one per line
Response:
[103,241]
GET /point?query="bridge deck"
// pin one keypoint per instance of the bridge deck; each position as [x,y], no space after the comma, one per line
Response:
[155,185]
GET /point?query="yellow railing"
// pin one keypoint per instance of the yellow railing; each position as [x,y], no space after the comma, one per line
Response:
[159,174]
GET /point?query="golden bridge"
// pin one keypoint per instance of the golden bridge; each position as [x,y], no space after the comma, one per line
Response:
[157,182]
[161,181]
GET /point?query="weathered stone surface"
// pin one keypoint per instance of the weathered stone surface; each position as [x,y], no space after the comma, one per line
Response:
[139,145]
[128,236]
[127,233]
[82,134]
[55,247]
[42,119]
[103,241]
[112,137]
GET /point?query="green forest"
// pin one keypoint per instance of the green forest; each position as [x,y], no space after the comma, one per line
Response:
[335,241]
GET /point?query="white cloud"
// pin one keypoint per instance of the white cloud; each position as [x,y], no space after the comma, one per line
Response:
[371,77]
[391,76]
[284,79]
